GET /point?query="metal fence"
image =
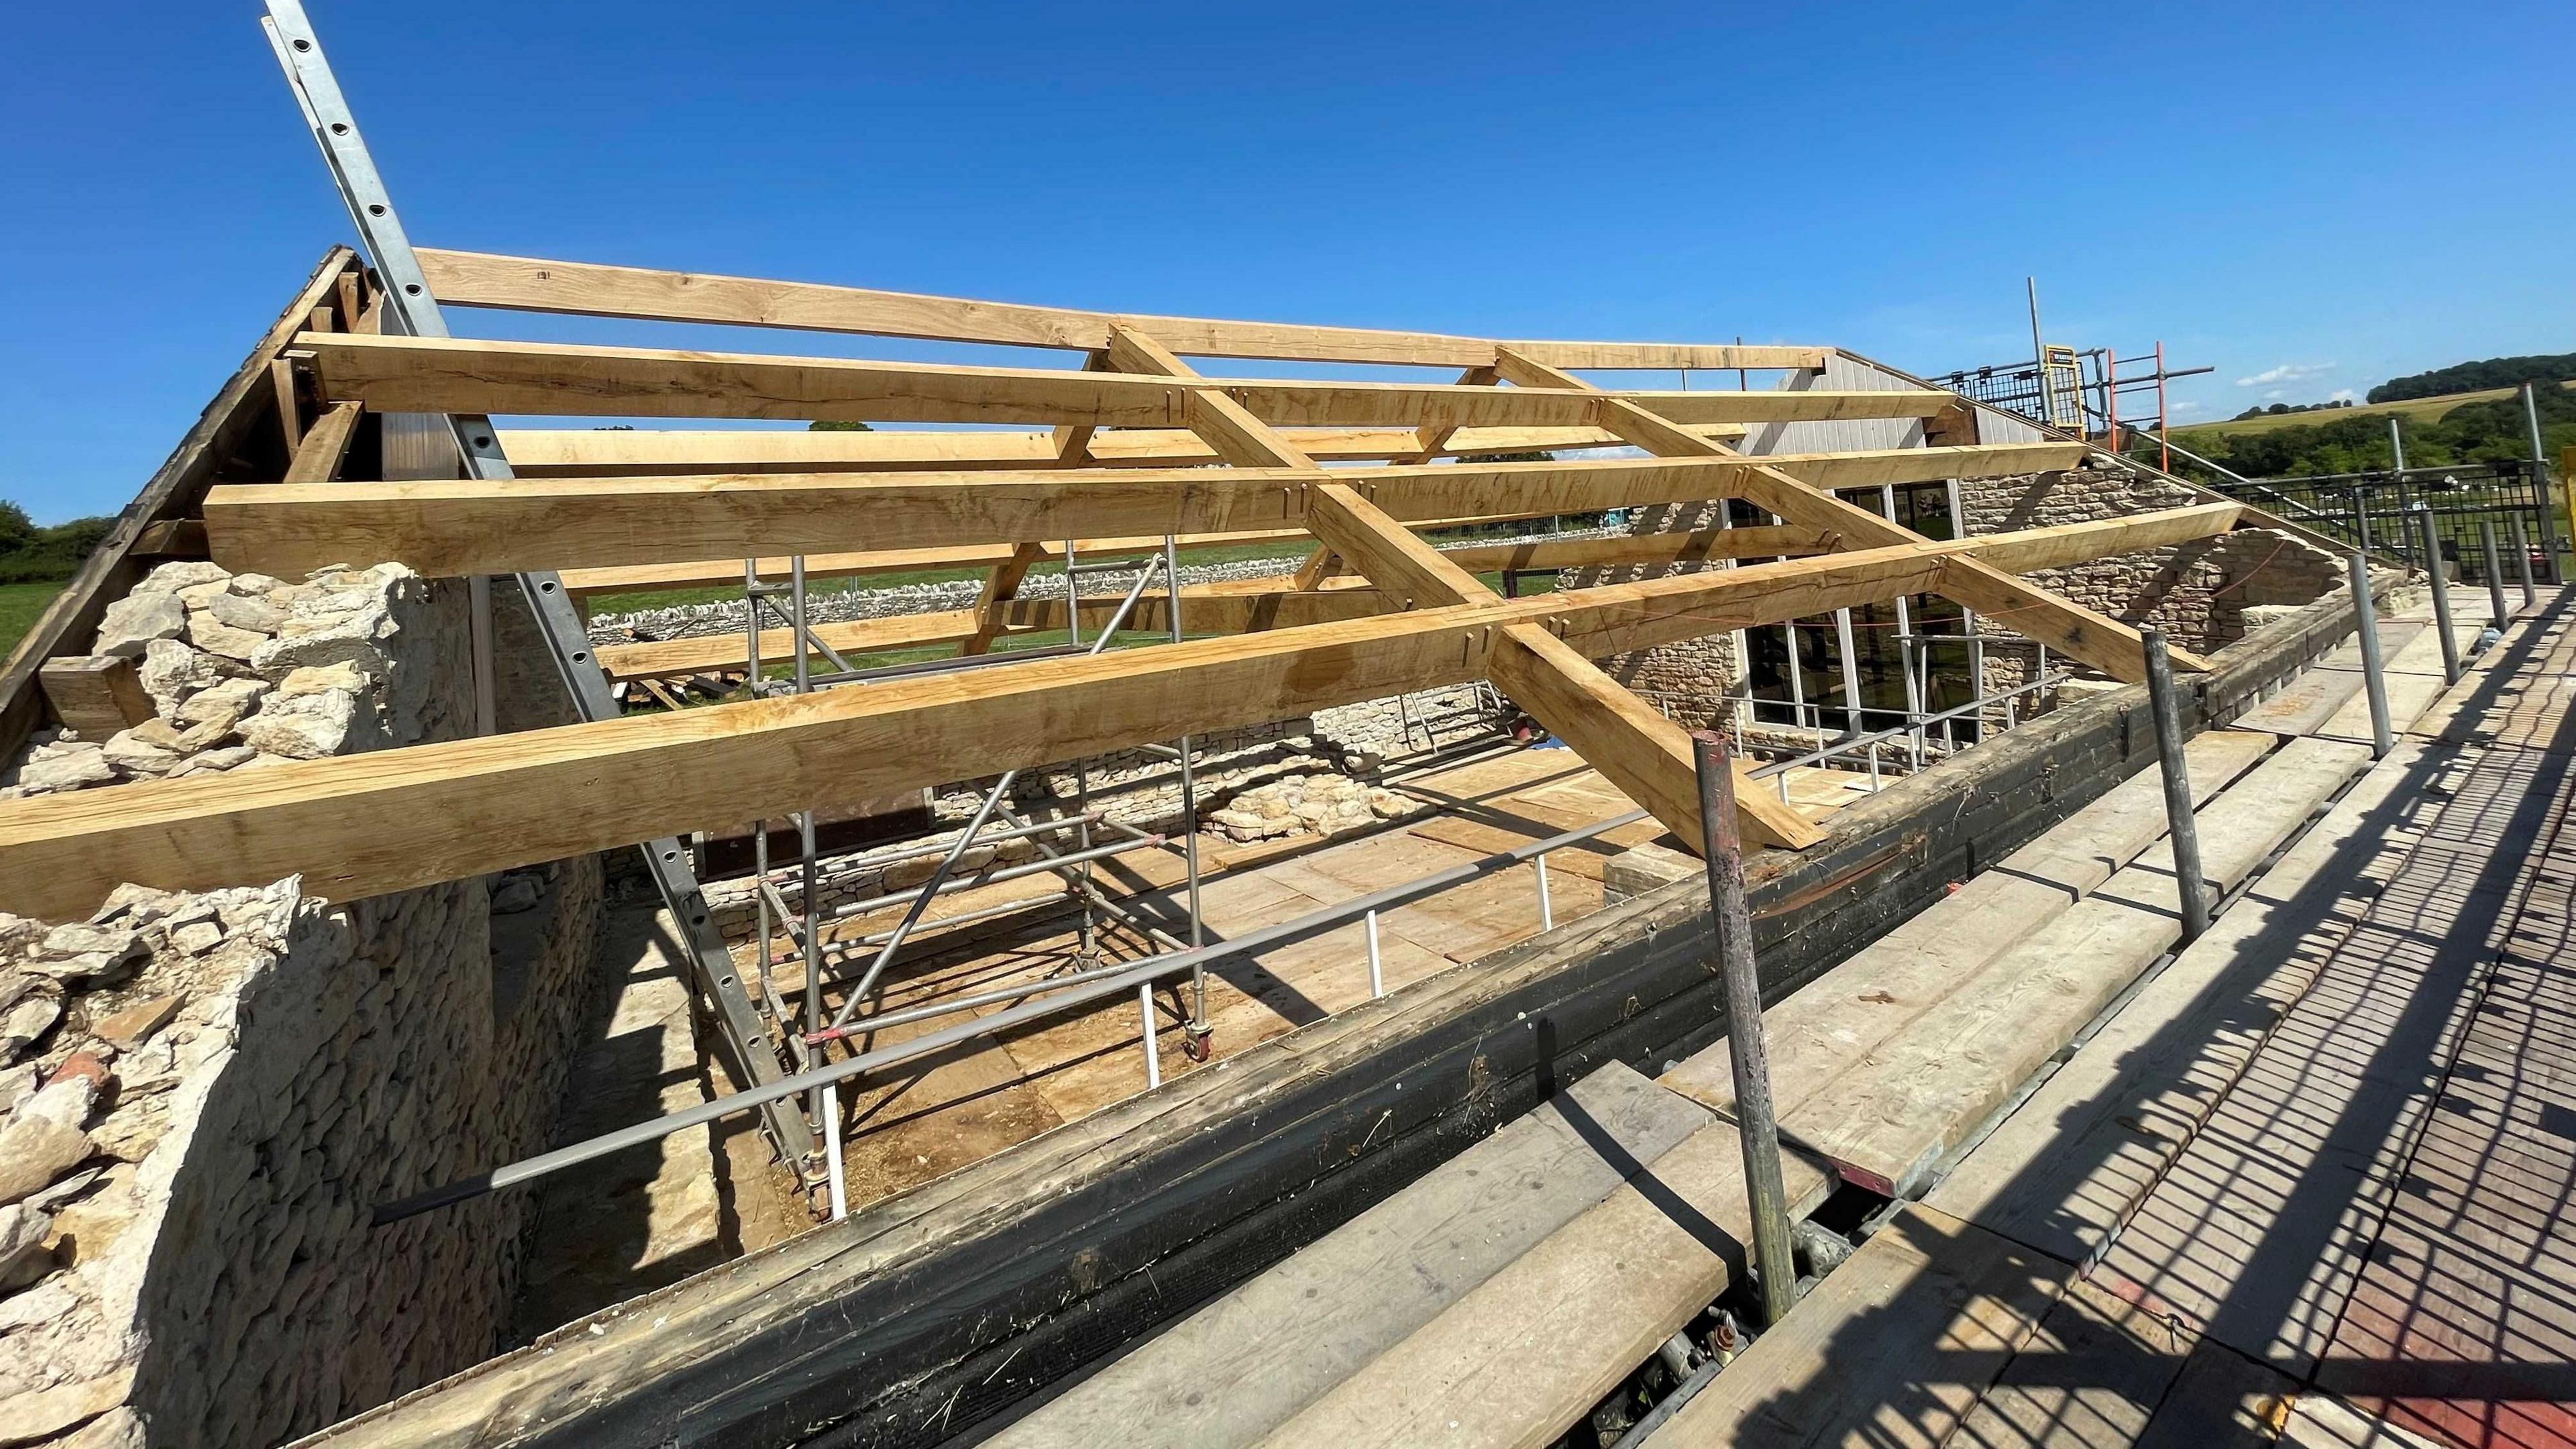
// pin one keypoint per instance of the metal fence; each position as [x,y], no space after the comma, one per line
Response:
[2377,512]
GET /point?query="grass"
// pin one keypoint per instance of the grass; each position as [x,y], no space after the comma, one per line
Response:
[20,605]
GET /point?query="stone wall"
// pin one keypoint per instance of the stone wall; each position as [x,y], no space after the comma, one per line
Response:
[2197,592]
[1689,679]
[207,1095]
[2205,594]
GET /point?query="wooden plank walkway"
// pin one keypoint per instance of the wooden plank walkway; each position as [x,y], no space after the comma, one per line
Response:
[2311,1183]
[1239,1367]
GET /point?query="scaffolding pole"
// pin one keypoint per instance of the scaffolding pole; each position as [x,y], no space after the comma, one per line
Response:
[743,1045]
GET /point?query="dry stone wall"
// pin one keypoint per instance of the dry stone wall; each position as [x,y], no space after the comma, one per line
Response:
[204,1096]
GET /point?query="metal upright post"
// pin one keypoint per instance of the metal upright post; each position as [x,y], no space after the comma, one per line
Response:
[2522,552]
[1733,926]
[1195,1031]
[1850,671]
[2396,446]
[2179,821]
[2495,574]
[2374,676]
[2548,515]
[2432,546]
[1968,616]
[744,1046]
[1905,651]
[2039,350]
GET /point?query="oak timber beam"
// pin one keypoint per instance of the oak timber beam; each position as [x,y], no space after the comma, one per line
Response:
[1203,613]
[609,452]
[460,375]
[490,803]
[462,527]
[1000,587]
[1538,554]
[1272,601]
[1646,756]
[318,456]
[473,279]
[2081,633]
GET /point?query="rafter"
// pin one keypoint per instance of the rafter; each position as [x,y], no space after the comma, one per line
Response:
[473,279]
[455,375]
[490,803]
[471,527]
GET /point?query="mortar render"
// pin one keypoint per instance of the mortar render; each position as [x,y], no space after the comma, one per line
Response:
[225,1084]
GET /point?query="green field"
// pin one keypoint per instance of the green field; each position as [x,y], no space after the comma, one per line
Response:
[20,604]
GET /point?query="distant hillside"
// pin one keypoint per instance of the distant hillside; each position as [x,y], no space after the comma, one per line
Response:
[2490,372]
[2417,410]
[2475,427]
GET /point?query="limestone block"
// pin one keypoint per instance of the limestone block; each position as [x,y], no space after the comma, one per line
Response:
[34,1151]
[215,636]
[68,768]
[305,727]
[23,1258]
[172,672]
[47,1412]
[247,612]
[136,757]
[170,578]
[131,624]
[224,699]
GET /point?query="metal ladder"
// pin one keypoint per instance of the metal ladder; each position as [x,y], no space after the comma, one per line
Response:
[745,1047]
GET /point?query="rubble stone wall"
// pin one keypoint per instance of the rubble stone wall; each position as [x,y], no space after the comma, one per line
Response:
[2205,594]
[1689,679]
[208,1094]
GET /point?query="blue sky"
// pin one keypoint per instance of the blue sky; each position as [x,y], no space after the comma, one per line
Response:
[2346,191]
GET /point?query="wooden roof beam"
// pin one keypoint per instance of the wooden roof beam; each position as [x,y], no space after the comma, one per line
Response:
[614,452]
[461,375]
[490,803]
[465,527]
[474,279]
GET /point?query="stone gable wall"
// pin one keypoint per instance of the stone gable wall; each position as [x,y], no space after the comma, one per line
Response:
[208,1094]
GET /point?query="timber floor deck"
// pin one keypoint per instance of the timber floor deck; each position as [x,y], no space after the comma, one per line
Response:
[2312,1183]
[950,1111]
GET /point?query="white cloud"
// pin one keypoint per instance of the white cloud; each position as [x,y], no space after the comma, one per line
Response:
[2276,395]
[2285,372]
[2185,406]
[2343,394]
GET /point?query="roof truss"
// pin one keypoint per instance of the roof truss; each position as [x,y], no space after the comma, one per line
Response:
[1134,444]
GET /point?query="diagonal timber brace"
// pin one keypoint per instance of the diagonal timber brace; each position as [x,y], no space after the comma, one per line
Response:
[1645,755]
